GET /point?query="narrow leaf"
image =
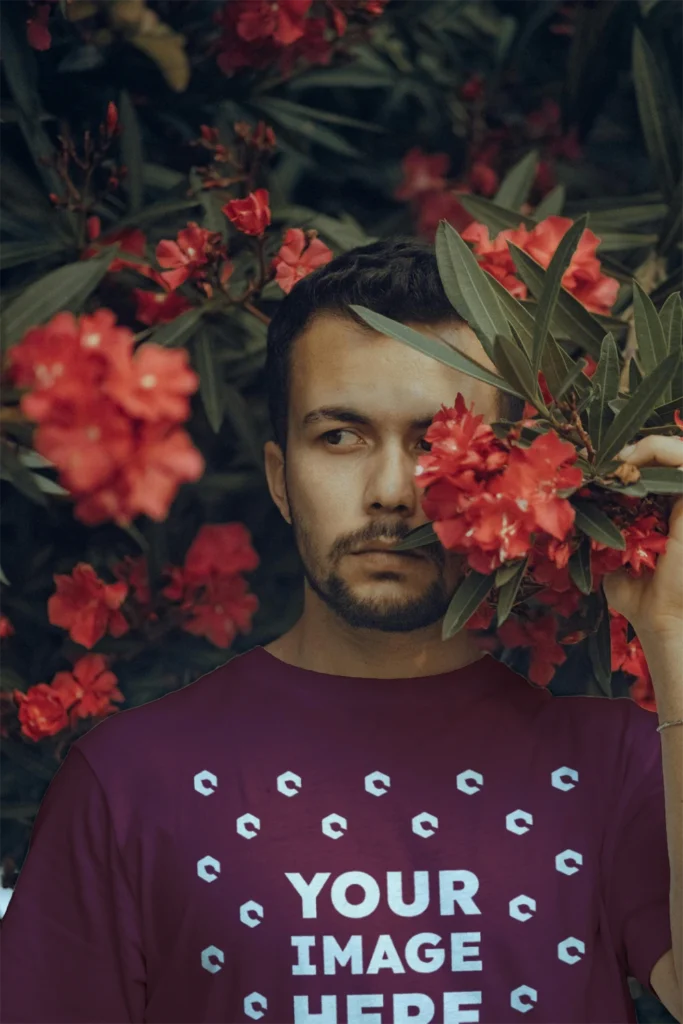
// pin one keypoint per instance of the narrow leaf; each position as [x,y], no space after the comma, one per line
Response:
[557,365]
[131,151]
[65,288]
[418,538]
[236,410]
[465,602]
[592,521]
[660,116]
[575,372]
[570,319]
[209,386]
[178,331]
[467,286]
[606,378]
[671,319]
[552,204]
[672,225]
[639,406]
[518,316]
[652,344]
[580,566]
[496,218]
[508,592]
[662,479]
[506,572]
[600,649]
[516,185]
[551,287]
[433,347]
[516,368]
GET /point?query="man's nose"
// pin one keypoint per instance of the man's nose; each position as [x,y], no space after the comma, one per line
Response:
[391,484]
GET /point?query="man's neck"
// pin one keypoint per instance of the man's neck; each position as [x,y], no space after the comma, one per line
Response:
[321,642]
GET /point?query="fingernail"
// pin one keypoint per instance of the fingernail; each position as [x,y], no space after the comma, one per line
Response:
[628,450]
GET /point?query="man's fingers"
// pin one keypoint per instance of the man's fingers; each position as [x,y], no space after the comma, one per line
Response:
[658,449]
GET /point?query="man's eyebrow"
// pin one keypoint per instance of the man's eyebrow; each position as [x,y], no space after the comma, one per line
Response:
[340,413]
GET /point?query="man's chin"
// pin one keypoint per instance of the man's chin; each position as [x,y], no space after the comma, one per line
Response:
[390,615]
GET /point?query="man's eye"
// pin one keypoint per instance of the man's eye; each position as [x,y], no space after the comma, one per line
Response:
[427,444]
[332,435]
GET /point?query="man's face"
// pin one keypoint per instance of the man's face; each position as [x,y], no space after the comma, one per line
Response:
[359,407]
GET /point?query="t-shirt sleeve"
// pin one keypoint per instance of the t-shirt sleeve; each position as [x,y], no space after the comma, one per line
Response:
[639,874]
[71,944]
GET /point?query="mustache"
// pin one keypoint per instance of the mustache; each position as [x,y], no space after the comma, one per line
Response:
[391,534]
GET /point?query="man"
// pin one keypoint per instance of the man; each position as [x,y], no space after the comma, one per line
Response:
[358,822]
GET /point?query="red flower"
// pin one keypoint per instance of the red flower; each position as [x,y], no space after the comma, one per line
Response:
[540,635]
[88,689]
[250,215]
[6,627]
[422,172]
[433,207]
[135,574]
[131,241]
[678,420]
[297,257]
[281,20]
[93,228]
[154,384]
[193,249]
[87,606]
[159,307]
[225,608]
[41,712]
[87,443]
[482,618]
[645,538]
[165,458]
[473,88]
[112,120]
[583,277]
[37,32]
[482,179]
[628,656]
[219,549]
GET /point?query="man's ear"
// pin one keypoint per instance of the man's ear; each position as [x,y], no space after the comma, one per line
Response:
[275,475]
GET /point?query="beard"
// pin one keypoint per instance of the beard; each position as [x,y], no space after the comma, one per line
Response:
[389,615]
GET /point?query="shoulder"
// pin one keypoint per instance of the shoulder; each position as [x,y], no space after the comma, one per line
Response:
[135,736]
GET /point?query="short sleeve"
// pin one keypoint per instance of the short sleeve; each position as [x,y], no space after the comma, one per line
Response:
[71,945]
[639,876]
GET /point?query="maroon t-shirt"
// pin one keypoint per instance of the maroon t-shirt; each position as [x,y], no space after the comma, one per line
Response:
[282,845]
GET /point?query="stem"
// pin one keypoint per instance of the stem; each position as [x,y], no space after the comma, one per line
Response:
[256,312]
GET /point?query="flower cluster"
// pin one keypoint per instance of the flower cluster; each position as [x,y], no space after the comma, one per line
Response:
[281,33]
[583,277]
[496,503]
[108,416]
[434,197]
[88,690]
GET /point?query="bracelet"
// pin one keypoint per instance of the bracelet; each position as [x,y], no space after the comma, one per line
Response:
[679,721]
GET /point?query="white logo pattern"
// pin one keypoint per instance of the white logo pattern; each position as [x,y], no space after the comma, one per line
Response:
[424,824]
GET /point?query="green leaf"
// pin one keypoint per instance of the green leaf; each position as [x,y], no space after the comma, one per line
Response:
[557,366]
[301,111]
[600,649]
[131,151]
[508,591]
[467,287]
[307,128]
[571,378]
[638,408]
[496,218]
[551,287]
[660,116]
[418,538]
[570,319]
[177,332]
[65,288]
[15,254]
[517,315]
[516,368]
[506,572]
[23,479]
[592,521]
[671,318]
[433,347]
[516,185]
[622,241]
[652,344]
[671,227]
[465,602]
[238,413]
[580,566]
[3,578]
[662,479]
[606,378]
[552,204]
[209,386]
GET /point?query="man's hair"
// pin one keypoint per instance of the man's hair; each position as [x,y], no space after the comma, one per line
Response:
[397,277]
